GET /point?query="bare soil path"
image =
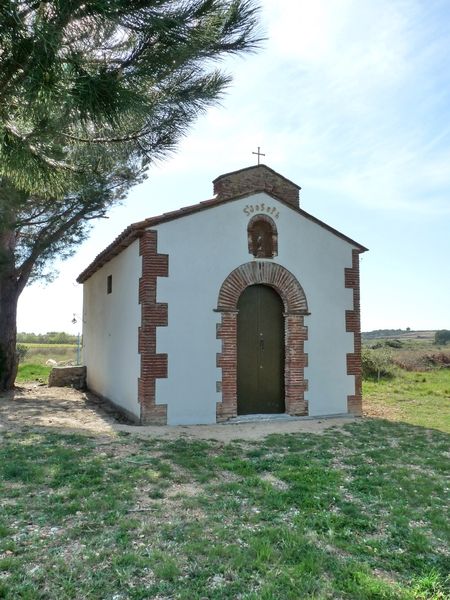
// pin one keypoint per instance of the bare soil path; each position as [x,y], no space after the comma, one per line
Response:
[34,405]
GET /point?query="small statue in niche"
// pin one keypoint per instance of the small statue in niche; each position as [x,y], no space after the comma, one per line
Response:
[261,239]
[259,245]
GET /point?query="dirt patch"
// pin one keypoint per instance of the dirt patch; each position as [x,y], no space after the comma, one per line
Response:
[33,405]
[73,411]
[275,482]
[374,410]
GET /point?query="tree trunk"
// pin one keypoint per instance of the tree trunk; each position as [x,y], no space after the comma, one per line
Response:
[8,330]
[9,296]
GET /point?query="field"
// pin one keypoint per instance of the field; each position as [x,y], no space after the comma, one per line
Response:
[39,354]
[417,398]
[358,512]
[416,388]
[33,366]
[412,351]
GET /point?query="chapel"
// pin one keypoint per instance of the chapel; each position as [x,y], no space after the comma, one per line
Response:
[243,304]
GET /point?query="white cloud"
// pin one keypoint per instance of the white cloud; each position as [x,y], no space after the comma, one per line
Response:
[361,99]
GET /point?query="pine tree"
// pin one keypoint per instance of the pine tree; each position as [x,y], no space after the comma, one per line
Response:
[90,94]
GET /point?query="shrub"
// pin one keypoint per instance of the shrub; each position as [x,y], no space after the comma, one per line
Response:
[439,359]
[389,343]
[442,337]
[394,343]
[377,364]
[22,351]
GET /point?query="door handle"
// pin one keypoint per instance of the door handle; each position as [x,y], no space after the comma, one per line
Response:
[261,342]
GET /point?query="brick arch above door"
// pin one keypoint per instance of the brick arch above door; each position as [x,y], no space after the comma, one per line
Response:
[295,309]
[267,273]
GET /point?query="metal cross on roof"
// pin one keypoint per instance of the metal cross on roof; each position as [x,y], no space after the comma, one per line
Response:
[259,154]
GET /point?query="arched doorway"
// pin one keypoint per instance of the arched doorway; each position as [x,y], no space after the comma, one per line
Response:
[295,308]
[260,351]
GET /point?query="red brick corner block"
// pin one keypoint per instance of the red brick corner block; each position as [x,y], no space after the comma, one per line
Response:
[153,315]
[295,308]
[353,325]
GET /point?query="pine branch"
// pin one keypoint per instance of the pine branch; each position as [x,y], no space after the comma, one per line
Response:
[54,164]
[46,239]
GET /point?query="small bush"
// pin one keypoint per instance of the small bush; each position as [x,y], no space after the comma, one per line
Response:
[442,337]
[21,351]
[388,343]
[377,364]
[394,343]
[439,359]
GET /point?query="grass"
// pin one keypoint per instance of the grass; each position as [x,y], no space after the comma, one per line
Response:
[360,513]
[418,398]
[32,372]
[39,354]
[34,368]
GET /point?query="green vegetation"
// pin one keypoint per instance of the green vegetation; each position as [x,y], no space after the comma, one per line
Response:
[51,337]
[413,351]
[360,513]
[22,351]
[418,398]
[442,337]
[33,364]
[377,364]
[91,93]
[383,333]
[36,349]
[39,354]
[33,372]
[407,379]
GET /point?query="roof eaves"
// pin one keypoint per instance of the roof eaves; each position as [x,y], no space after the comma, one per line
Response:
[121,242]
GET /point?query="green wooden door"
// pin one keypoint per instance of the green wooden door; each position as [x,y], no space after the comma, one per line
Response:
[260,352]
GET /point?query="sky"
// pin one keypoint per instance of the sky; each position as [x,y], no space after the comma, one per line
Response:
[350,99]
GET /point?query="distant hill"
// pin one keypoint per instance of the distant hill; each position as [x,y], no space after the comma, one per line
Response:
[398,334]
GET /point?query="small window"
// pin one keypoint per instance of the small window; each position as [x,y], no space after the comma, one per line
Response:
[109,284]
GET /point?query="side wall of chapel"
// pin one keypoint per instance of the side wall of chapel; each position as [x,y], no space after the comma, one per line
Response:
[110,330]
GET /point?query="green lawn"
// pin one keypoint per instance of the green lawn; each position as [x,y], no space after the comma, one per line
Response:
[356,513]
[418,398]
[33,366]
[33,372]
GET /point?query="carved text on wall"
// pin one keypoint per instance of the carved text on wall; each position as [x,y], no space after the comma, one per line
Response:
[262,207]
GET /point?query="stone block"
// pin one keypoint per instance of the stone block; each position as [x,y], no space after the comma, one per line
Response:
[68,377]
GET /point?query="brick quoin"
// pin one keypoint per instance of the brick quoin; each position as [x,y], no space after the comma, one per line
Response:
[353,325]
[295,309]
[153,315]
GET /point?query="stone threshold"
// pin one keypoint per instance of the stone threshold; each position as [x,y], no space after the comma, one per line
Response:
[258,418]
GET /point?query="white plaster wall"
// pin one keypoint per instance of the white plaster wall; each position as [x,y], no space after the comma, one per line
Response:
[203,249]
[110,330]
